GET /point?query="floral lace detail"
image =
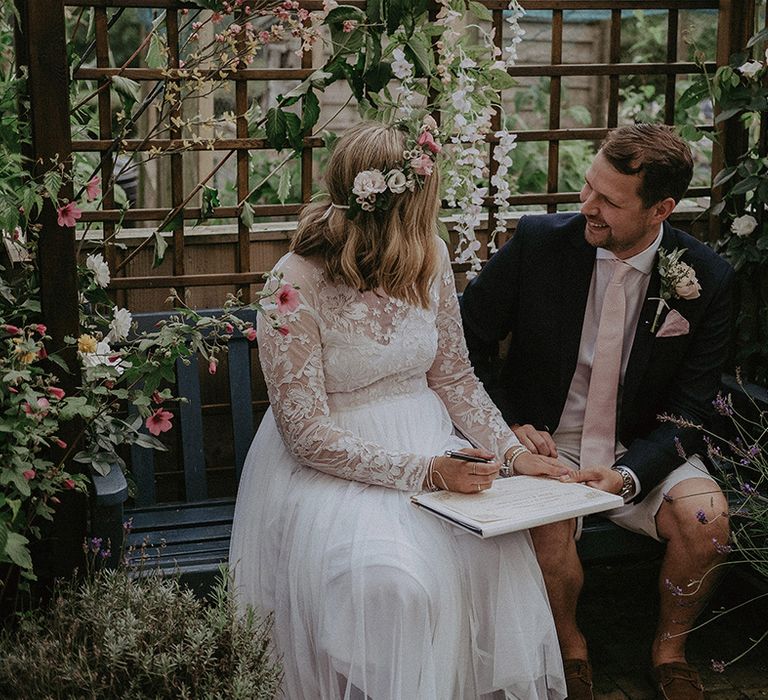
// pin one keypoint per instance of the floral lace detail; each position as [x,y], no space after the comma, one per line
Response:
[348,349]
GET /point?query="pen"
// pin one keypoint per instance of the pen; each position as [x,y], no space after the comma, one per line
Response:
[466,457]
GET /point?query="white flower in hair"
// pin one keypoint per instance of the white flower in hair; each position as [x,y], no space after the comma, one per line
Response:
[369,182]
[396,181]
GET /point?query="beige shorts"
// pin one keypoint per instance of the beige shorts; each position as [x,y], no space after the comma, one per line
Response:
[640,517]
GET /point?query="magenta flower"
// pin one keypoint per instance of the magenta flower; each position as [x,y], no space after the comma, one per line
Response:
[159,422]
[29,474]
[93,188]
[426,139]
[68,484]
[213,365]
[68,214]
[283,330]
[287,299]
[250,334]
[11,330]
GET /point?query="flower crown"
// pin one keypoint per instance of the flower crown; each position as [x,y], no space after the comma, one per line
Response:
[373,189]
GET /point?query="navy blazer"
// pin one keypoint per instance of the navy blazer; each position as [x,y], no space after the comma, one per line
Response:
[535,290]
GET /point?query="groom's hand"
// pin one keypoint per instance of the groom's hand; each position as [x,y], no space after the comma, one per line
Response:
[603,478]
[539,442]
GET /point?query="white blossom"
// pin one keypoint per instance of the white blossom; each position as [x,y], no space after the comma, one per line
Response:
[96,264]
[369,182]
[744,225]
[120,324]
[401,67]
[396,181]
[750,68]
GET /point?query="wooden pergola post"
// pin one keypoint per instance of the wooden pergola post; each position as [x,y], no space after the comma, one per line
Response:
[41,47]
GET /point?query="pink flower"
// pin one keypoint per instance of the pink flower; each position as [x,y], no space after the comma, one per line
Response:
[11,330]
[43,403]
[60,443]
[68,484]
[159,421]
[56,392]
[68,214]
[287,299]
[213,365]
[29,474]
[422,165]
[26,408]
[42,353]
[156,398]
[349,25]
[228,328]
[41,328]
[426,139]
[250,334]
[283,330]
[93,188]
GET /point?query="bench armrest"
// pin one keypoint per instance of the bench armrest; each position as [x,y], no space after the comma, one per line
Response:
[110,492]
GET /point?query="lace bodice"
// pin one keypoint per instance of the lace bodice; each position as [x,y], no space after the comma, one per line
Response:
[348,348]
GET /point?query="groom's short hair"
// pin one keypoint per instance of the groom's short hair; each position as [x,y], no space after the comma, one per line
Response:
[655,152]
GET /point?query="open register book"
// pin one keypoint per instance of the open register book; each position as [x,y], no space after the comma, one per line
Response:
[516,503]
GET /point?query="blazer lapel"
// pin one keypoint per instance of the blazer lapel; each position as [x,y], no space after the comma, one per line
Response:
[576,265]
[643,343]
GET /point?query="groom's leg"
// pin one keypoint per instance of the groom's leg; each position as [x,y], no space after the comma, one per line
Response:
[694,522]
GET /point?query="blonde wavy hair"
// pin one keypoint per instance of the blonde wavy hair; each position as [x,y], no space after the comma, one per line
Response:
[394,250]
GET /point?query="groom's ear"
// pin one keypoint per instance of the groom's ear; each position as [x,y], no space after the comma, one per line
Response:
[662,209]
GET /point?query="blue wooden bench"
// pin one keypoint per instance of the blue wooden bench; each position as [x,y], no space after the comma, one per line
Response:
[195,527]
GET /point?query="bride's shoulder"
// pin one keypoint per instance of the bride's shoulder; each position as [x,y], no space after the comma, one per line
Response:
[298,269]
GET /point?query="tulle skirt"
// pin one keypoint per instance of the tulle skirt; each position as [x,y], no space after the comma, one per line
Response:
[374,598]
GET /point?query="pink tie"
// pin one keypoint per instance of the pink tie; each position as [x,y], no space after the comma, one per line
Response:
[598,438]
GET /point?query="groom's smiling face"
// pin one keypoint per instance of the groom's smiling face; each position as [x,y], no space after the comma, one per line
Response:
[617,220]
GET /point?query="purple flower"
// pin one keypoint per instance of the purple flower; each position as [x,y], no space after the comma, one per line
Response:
[753,451]
[667,498]
[723,405]
[672,588]
[105,553]
[701,516]
[747,488]
[128,526]
[679,448]
[721,548]
[718,666]
[95,544]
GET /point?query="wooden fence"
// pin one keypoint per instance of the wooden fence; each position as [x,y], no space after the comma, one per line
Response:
[241,254]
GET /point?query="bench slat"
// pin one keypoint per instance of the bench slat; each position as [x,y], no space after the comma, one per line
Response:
[191,418]
[240,399]
[182,515]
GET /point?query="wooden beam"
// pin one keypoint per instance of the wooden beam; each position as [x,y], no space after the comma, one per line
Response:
[41,46]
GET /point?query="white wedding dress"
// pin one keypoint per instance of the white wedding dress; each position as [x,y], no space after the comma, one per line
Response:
[372,597]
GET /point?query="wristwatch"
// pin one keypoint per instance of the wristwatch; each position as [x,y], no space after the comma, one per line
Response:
[627,482]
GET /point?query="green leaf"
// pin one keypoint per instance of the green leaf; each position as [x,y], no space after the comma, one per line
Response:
[379,76]
[500,79]
[310,112]
[442,231]
[210,202]
[52,183]
[127,90]
[3,538]
[418,52]
[762,35]
[284,186]
[160,246]
[151,443]
[480,11]
[156,52]
[17,551]
[746,185]
[246,215]
[694,95]
[276,126]
[374,11]
[723,176]
[174,223]
[293,130]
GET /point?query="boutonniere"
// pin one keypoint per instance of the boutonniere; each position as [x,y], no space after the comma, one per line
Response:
[678,281]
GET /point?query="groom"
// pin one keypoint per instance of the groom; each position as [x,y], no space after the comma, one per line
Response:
[615,318]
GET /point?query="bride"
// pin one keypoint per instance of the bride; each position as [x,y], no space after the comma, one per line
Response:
[369,384]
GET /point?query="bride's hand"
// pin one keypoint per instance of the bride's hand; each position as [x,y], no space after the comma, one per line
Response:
[450,474]
[541,465]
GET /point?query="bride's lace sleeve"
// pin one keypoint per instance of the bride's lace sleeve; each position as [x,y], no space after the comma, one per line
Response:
[452,378]
[293,370]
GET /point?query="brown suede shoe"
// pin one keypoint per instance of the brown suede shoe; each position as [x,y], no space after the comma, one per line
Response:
[578,679]
[678,681]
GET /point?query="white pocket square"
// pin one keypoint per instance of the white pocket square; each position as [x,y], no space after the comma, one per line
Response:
[674,324]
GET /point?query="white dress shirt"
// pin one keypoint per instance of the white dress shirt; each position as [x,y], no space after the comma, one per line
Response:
[635,288]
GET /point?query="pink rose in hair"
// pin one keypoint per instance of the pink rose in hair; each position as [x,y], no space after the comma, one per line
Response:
[426,139]
[423,165]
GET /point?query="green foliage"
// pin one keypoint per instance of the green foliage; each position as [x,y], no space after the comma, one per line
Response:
[740,94]
[138,638]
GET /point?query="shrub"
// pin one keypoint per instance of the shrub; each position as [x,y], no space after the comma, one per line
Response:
[119,636]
